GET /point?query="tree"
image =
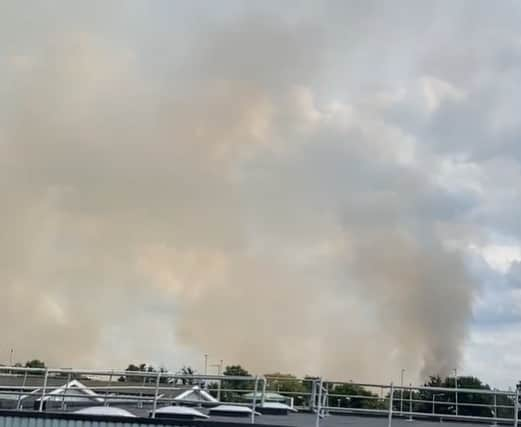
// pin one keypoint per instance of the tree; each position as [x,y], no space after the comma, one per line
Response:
[35,363]
[353,396]
[189,371]
[142,367]
[287,384]
[232,387]
[281,383]
[444,401]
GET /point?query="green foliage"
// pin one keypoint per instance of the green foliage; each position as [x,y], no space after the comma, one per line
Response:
[187,370]
[142,367]
[236,371]
[233,387]
[444,400]
[35,363]
[353,396]
[281,383]
[288,385]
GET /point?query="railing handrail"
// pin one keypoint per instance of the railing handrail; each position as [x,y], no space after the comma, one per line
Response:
[317,397]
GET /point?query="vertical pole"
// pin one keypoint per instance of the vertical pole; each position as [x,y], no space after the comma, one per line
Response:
[140,402]
[263,396]
[106,402]
[516,407]
[319,403]
[325,400]
[495,409]
[156,394]
[65,391]
[410,402]
[390,412]
[456,388]
[206,370]
[254,404]
[19,400]
[45,378]
[313,395]
[433,398]
[401,391]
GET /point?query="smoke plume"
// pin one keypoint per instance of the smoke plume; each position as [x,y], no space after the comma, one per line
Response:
[226,204]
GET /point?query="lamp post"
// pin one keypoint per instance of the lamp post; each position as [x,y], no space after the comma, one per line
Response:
[206,363]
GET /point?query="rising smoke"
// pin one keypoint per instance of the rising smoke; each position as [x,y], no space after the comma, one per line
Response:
[221,201]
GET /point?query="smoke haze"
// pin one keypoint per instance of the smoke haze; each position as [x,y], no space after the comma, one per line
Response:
[247,190]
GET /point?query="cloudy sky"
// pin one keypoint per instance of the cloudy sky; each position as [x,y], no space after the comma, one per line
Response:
[312,187]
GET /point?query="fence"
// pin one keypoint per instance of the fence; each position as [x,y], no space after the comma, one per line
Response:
[57,389]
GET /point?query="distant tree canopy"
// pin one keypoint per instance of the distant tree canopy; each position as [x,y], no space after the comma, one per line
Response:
[188,370]
[35,363]
[236,371]
[142,367]
[232,388]
[443,402]
[289,383]
[353,396]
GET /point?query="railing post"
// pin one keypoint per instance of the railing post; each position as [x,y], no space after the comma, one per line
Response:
[319,403]
[156,394]
[495,410]
[410,402]
[313,395]
[105,400]
[254,405]
[263,396]
[325,400]
[390,414]
[516,407]
[65,391]
[140,402]
[19,399]
[456,391]
[45,378]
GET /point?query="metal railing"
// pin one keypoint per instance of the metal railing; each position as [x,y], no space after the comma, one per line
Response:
[54,389]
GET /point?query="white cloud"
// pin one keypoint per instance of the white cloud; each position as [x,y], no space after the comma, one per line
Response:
[499,257]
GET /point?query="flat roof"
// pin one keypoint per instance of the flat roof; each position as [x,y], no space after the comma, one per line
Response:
[301,419]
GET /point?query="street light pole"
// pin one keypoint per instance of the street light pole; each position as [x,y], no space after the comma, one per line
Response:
[206,363]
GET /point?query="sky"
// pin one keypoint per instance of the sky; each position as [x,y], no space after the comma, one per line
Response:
[309,187]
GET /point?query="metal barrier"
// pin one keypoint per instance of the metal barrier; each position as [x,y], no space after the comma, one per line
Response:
[316,395]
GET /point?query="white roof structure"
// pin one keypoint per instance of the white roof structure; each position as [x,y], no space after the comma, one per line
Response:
[271,397]
[109,411]
[277,405]
[196,394]
[232,409]
[75,388]
[181,410]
